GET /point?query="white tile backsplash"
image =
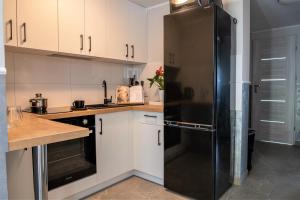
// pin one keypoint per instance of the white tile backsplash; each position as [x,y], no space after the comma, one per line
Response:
[41,69]
[61,80]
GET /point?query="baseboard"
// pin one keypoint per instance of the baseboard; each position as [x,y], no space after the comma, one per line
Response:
[148,177]
[115,180]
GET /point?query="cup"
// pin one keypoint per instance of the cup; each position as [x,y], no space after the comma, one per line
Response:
[79,104]
[14,115]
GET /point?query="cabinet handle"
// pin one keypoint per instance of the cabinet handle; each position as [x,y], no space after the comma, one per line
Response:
[158,138]
[81,42]
[90,40]
[150,116]
[132,47]
[10,23]
[101,124]
[24,33]
[127,50]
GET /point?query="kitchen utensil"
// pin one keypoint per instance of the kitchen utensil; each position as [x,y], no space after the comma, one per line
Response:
[38,104]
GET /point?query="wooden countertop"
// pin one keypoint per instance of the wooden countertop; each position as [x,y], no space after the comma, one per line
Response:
[146,108]
[34,130]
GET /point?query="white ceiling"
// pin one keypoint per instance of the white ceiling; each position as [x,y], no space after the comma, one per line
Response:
[266,14]
[149,3]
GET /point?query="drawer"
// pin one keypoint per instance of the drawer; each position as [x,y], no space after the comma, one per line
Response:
[151,118]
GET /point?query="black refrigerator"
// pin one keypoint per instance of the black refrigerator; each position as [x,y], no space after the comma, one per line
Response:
[199,61]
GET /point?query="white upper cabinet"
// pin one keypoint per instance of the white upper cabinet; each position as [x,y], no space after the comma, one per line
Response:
[10,22]
[117,29]
[37,24]
[137,27]
[71,26]
[95,27]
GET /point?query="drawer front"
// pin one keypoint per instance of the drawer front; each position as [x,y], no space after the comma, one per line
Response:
[151,118]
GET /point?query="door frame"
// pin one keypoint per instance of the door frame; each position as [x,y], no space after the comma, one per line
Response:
[273,34]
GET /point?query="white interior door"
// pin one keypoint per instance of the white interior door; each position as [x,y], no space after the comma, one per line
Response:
[273,91]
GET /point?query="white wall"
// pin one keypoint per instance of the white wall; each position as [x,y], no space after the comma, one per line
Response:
[155,43]
[61,80]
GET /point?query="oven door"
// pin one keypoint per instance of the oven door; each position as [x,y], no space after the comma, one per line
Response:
[71,160]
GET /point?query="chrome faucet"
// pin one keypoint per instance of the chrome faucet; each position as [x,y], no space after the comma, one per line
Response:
[106,100]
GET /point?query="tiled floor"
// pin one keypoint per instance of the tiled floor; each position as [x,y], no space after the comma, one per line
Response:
[275,176]
[135,189]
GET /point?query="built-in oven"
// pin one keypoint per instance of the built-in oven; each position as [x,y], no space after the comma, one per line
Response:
[72,160]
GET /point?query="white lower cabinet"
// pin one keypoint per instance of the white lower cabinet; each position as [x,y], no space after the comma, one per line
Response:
[149,144]
[127,143]
[114,142]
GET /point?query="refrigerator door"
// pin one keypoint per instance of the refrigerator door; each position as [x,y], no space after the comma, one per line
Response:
[189,66]
[189,162]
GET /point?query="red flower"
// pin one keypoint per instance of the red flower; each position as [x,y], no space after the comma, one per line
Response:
[160,71]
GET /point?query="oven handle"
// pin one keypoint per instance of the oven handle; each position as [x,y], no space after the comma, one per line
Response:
[101,124]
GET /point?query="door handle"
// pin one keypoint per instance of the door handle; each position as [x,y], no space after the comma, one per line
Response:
[81,42]
[10,23]
[101,126]
[127,50]
[132,47]
[24,33]
[256,86]
[158,138]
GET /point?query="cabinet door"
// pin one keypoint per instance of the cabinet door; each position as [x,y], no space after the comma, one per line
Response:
[37,24]
[117,29]
[71,26]
[10,20]
[95,27]
[113,145]
[20,174]
[137,26]
[149,149]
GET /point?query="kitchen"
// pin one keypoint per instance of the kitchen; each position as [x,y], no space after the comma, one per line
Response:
[87,50]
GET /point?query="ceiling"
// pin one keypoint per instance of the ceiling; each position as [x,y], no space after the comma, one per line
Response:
[149,3]
[266,14]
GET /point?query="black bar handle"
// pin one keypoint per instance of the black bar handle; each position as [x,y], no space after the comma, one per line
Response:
[158,138]
[132,47]
[81,42]
[24,32]
[127,50]
[101,126]
[150,116]
[90,40]
[10,22]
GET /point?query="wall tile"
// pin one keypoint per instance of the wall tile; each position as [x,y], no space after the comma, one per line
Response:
[89,72]
[41,69]
[91,94]
[10,94]
[9,64]
[58,95]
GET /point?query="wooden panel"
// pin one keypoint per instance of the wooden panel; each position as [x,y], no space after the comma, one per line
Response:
[274,67]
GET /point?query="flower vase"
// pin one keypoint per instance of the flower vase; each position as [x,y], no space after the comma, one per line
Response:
[161,96]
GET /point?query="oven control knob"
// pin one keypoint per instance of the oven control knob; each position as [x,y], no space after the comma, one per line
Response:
[85,122]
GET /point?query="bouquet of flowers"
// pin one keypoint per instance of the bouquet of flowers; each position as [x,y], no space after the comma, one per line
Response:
[158,79]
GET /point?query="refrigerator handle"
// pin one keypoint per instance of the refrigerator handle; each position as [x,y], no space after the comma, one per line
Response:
[186,125]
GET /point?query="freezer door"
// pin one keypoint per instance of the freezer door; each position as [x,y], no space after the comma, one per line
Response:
[189,162]
[189,65]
